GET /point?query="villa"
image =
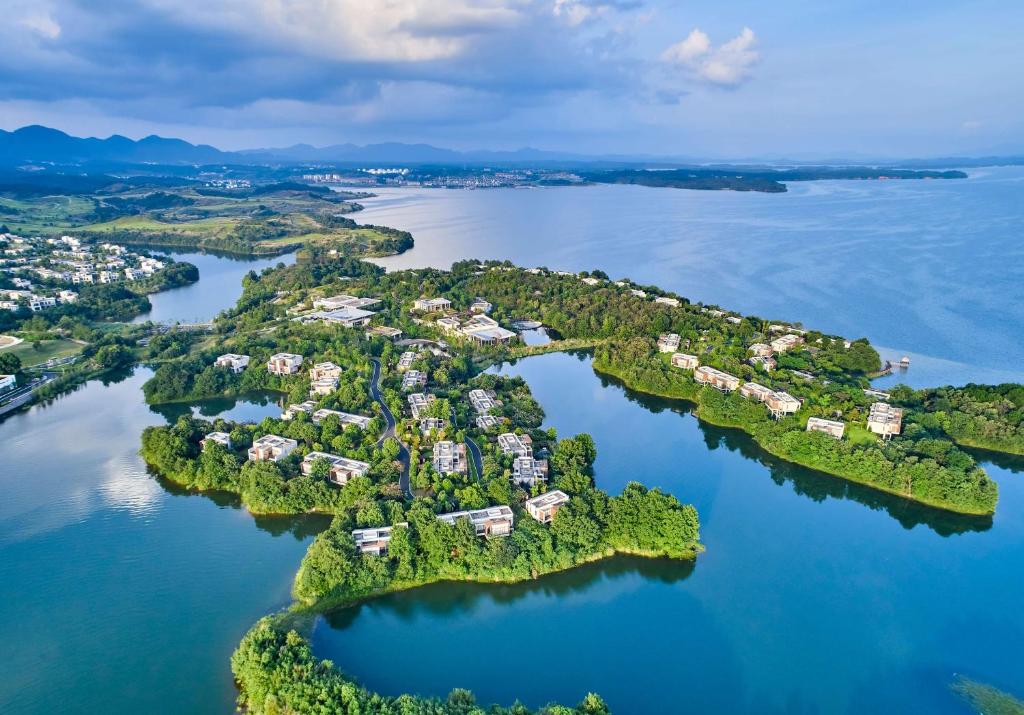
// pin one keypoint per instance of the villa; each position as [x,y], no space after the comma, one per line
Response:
[485,330]
[323,386]
[347,316]
[221,438]
[486,422]
[885,420]
[405,360]
[449,324]
[685,362]
[284,363]
[664,300]
[429,424]
[480,306]
[374,541]
[786,342]
[413,379]
[342,469]
[761,350]
[830,427]
[519,445]
[492,521]
[758,392]
[419,402]
[324,369]
[383,331]
[233,362]
[482,401]
[705,375]
[528,472]
[345,418]
[449,457]
[431,305]
[544,507]
[271,448]
[763,362]
[781,403]
[668,343]
[307,407]
[877,394]
[344,301]
[7,382]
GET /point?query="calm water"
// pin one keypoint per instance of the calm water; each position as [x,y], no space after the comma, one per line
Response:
[934,268]
[813,596]
[120,593]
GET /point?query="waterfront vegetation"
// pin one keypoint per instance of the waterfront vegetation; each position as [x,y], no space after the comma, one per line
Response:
[274,666]
[986,700]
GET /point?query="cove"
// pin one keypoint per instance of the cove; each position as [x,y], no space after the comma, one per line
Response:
[121,592]
[814,595]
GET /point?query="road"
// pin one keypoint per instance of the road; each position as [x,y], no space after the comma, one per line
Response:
[478,460]
[403,453]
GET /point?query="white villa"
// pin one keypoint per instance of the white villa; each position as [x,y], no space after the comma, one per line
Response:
[705,375]
[284,363]
[221,438]
[419,402]
[544,507]
[431,305]
[324,369]
[308,406]
[233,362]
[485,330]
[519,445]
[830,427]
[781,403]
[449,457]
[492,521]
[271,448]
[480,306]
[486,422]
[342,469]
[885,420]
[375,540]
[528,472]
[323,386]
[405,360]
[665,300]
[482,401]
[668,343]
[786,342]
[344,301]
[413,379]
[685,362]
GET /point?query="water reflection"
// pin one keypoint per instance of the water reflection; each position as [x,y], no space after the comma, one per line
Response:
[453,598]
[248,407]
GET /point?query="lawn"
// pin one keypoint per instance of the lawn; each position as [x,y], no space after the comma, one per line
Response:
[30,355]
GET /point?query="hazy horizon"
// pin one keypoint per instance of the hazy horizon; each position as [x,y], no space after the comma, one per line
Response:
[595,77]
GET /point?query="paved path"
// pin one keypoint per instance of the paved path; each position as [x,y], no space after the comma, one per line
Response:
[478,460]
[403,453]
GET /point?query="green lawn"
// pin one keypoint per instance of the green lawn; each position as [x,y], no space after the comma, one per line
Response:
[48,349]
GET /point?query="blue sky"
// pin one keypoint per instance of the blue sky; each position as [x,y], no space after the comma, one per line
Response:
[795,78]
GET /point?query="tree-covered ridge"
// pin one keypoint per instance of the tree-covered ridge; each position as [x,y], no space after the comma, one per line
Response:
[986,416]
[277,672]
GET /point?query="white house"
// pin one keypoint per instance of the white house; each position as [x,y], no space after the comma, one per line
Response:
[830,427]
[235,363]
[284,363]
[668,343]
[341,469]
[449,458]
[492,521]
[271,448]
[544,507]
[431,305]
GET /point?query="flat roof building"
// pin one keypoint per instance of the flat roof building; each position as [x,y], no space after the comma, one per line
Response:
[492,521]
[271,448]
[375,540]
[781,403]
[668,343]
[431,305]
[706,375]
[293,410]
[323,386]
[449,458]
[885,420]
[482,401]
[233,362]
[405,360]
[665,300]
[429,424]
[480,306]
[761,349]
[786,342]
[221,438]
[419,402]
[763,362]
[755,391]
[284,363]
[528,472]
[830,427]
[383,331]
[347,317]
[486,422]
[413,379]
[346,418]
[344,301]
[484,330]
[341,470]
[519,445]
[544,507]
[685,362]
[324,369]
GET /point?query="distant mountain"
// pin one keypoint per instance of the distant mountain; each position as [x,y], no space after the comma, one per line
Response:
[42,144]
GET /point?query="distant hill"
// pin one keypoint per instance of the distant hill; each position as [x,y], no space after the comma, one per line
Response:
[42,144]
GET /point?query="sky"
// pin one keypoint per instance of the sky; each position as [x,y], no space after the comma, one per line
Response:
[706,79]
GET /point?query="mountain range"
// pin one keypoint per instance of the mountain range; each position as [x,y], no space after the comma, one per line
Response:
[44,145]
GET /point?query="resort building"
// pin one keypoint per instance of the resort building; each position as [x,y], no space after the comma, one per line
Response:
[271,448]
[7,382]
[480,306]
[638,293]
[323,386]
[482,401]
[345,418]
[544,507]
[302,407]
[344,301]
[705,375]
[418,403]
[528,472]
[484,330]
[413,379]
[877,394]
[449,324]
[284,363]
[487,422]
[761,349]
[324,369]
[685,362]
[668,343]
[519,445]
[234,363]
[830,427]
[347,317]
[752,389]
[383,331]
[449,457]
[431,305]
[664,300]
[763,362]
[221,438]
[429,424]
[782,403]
[492,521]
[406,360]
[885,420]
[342,469]
[375,541]
[786,342]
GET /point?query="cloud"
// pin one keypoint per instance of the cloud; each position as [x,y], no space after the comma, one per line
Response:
[971,125]
[44,25]
[727,65]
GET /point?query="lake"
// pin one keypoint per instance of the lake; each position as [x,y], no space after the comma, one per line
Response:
[121,593]
[933,269]
[814,595]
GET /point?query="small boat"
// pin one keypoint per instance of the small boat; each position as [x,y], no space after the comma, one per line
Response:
[904,362]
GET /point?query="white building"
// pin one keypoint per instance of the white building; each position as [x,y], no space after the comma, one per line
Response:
[786,342]
[492,521]
[519,445]
[668,343]
[528,472]
[284,363]
[375,540]
[413,379]
[271,448]
[544,507]
[449,458]
[431,305]
[480,306]
[685,362]
[221,438]
[419,403]
[406,360]
[232,361]
[346,418]
[830,427]
[665,300]
[344,301]
[885,420]
[324,369]
[482,401]
[706,375]
[341,470]
[7,382]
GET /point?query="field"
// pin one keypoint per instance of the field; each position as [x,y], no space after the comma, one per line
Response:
[30,355]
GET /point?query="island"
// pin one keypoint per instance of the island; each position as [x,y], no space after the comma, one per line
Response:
[435,468]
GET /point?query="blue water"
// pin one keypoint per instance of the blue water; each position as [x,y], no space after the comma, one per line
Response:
[933,268]
[814,595]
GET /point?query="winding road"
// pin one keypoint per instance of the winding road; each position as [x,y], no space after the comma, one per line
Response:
[403,453]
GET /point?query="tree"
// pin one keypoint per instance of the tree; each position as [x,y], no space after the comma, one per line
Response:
[9,363]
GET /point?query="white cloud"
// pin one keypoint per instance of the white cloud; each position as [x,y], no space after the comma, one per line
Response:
[727,65]
[42,24]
